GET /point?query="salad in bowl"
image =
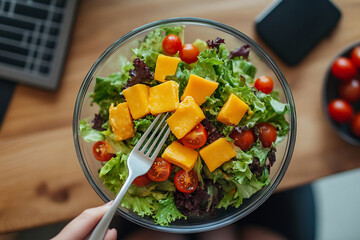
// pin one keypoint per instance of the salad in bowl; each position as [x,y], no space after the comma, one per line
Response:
[232,127]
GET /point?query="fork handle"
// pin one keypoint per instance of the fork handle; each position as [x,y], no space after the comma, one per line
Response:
[102,226]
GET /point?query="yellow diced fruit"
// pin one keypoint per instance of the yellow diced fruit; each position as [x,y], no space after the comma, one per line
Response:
[217,153]
[180,155]
[137,97]
[165,66]
[164,97]
[185,118]
[199,88]
[121,121]
[232,111]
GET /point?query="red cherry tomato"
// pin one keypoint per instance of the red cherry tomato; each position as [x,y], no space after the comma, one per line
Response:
[189,53]
[244,139]
[171,44]
[196,138]
[103,151]
[343,69]
[340,111]
[350,91]
[142,181]
[264,84]
[160,170]
[355,56]
[186,182]
[355,125]
[267,133]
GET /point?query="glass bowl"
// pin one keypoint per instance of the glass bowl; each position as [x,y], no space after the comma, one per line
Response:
[194,28]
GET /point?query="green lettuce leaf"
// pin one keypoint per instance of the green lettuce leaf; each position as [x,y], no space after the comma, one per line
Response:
[115,172]
[108,90]
[143,206]
[150,49]
[88,133]
[167,212]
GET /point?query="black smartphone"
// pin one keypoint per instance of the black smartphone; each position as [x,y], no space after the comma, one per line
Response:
[293,27]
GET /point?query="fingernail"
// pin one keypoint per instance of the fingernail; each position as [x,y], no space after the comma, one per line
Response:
[109,203]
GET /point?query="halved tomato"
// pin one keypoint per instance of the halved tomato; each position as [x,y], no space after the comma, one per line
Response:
[160,170]
[103,151]
[186,181]
[196,138]
[142,180]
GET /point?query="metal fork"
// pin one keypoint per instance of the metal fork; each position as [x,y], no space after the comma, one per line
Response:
[139,162]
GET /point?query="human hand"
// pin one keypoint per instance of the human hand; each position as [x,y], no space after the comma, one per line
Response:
[81,227]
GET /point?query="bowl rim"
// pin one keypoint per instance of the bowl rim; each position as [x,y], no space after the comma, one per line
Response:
[267,60]
[327,77]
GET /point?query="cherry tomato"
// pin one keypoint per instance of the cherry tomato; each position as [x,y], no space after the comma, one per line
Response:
[340,111]
[160,170]
[142,181]
[171,44]
[189,53]
[102,151]
[343,69]
[264,84]
[196,138]
[186,182]
[355,56]
[244,139]
[267,133]
[350,91]
[355,125]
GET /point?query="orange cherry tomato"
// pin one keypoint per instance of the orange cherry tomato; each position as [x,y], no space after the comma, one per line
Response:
[267,133]
[244,139]
[103,151]
[171,44]
[340,110]
[142,181]
[264,84]
[160,170]
[196,138]
[189,53]
[185,181]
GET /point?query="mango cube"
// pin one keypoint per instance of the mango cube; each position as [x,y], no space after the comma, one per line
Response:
[165,65]
[199,88]
[217,153]
[137,97]
[232,111]
[164,97]
[185,118]
[121,121]
[180,155]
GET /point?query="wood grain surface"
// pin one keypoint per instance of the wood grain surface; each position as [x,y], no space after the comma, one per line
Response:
[41,179]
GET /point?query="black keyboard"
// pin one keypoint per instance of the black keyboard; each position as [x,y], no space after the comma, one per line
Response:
[33,40]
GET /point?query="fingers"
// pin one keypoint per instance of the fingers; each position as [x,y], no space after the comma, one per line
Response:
[111,234]
[81,226]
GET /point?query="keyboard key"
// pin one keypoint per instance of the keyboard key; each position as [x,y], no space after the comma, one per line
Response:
[44,69]
[6,7]
[60,3]
[54,31]
[10,35]
[16,23]
[14,49]
[57,17]
[31,11]
[47,2]
[13,62]
[47,57]
[50,44]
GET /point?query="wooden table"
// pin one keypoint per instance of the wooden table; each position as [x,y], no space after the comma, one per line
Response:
[41,179]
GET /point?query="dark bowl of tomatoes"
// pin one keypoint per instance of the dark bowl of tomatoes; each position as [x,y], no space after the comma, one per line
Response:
[113,59]
[341,94]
